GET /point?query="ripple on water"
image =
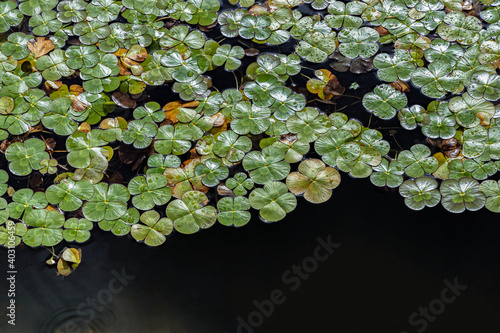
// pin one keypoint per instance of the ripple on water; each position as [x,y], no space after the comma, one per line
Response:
[70,320]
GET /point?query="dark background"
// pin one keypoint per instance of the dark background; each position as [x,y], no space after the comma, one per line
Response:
[391,262]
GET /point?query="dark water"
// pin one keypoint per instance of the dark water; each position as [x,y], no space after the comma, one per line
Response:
[390,263]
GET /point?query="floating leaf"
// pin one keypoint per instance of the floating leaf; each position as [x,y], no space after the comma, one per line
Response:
[77,230]
[314,180]
[462,194]
[420,192]
[191,213]
[266,165]
[108,202]
[149,191]
[273,201]
[46,228]
[154,229]
[233,211]
[384,101]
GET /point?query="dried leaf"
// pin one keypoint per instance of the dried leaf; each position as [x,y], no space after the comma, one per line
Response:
[382,31]
[51,86]
[113,123]
[50,143]
[333,87]
[225,191]
[4,145]
[288,139]
[123,100]
[251,52]
[123,69]
[76,89]
[84,127]
[400,86]
[217,119]
[172,109]
[37,128]
[258,10]
[40,46]
[451,147]
[11,191]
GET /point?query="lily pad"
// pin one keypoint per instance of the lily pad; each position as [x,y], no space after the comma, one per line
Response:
[314,180]
[154,229]
[273,201]
[191,213]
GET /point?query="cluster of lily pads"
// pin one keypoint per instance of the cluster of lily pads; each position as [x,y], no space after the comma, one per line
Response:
[83,73]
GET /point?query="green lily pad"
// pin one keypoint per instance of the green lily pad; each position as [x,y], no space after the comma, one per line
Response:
[273,201]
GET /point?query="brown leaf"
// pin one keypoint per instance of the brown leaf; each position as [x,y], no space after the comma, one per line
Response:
[40,46]
[251,52]
[400,86]
[117,122]
[51,86]
[38,128]
[435,142]
[77,105]
[4,145]
[172,115]
[172,109]
[225,191]
[333,87]
[193,155]
[123,69]
[451,147]
[128,62]
[450,144]
[84,127]
[137,53]
[11,191]
[382,31]
[288,139]
[453,153]
[218,119]
[50,143]
[123,100]
[76,89]
[257,10]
